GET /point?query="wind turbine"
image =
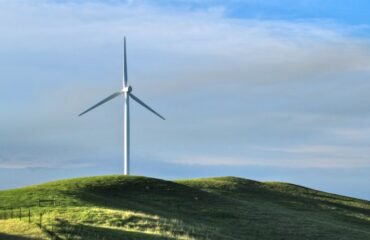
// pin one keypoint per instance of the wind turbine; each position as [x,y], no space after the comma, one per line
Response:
[126,91]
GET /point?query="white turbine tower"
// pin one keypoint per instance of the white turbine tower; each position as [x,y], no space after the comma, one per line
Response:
[126,91]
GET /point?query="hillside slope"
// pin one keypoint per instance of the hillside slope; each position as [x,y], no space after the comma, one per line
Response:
[120,207]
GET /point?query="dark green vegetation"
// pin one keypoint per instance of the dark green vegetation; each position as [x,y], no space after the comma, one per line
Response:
[118,207]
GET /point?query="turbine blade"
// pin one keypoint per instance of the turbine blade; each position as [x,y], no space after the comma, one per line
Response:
[101,102]
[146,106]
[125,80]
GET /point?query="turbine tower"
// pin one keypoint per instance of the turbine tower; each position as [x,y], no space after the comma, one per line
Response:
[126,91]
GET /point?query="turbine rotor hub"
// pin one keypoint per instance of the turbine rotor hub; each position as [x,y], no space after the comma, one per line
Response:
[127,89]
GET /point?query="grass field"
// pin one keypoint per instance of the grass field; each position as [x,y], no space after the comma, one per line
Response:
[121,207]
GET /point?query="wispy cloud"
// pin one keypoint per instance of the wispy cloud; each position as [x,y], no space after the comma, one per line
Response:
[318,157]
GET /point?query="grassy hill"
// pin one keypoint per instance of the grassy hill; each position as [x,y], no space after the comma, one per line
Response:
[119,207]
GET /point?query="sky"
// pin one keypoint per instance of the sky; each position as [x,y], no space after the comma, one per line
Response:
[265,90]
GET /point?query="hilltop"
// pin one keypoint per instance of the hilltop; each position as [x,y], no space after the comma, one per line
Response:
[129,207]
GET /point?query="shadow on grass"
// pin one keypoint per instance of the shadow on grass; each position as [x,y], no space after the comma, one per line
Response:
[94,232]
[157,197]
[14,237]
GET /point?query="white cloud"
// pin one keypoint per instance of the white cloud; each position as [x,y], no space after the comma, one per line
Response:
[353,134]
[300,161]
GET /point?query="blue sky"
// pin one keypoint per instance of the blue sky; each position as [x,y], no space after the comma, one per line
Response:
[273,90]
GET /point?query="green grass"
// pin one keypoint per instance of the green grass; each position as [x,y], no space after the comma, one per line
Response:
[119,207]
[14,229]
